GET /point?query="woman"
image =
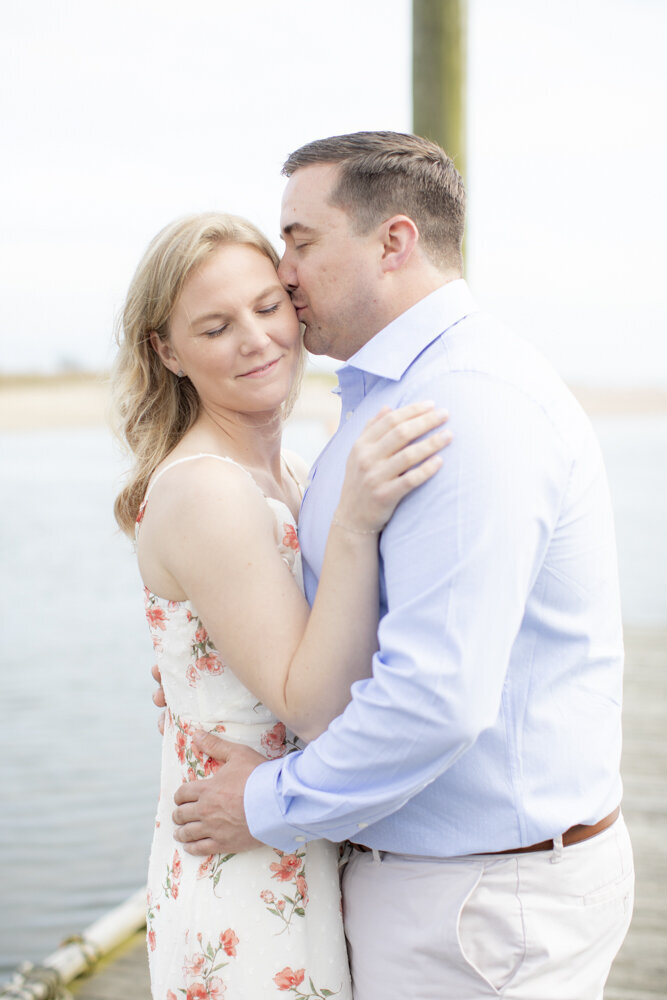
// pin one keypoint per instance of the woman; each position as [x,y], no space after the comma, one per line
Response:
[208,366]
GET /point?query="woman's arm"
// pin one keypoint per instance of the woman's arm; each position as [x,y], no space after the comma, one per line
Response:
[216,538]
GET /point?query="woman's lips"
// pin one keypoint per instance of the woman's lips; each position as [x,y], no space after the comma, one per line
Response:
[260,370]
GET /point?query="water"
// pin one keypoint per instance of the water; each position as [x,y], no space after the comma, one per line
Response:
[79,757]
[80,750]
[635,452]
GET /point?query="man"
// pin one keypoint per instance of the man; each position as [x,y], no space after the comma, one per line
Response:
[477,771]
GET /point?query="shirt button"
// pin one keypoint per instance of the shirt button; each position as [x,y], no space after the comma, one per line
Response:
[300,840]
[361,826]
[348,414]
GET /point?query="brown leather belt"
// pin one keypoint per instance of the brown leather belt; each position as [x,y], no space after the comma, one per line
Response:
[574,835]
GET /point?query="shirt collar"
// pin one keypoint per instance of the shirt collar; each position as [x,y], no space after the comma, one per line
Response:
[391,351]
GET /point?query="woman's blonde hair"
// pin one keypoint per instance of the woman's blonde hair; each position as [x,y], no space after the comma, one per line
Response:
[151,407]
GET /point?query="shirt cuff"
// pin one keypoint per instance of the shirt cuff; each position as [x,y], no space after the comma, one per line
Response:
[263,811]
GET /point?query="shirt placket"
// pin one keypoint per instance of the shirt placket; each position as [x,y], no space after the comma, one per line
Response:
[352,383]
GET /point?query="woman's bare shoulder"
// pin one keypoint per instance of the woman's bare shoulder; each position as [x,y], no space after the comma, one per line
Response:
[197,483]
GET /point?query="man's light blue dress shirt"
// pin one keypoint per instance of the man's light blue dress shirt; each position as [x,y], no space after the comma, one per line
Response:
[492,719]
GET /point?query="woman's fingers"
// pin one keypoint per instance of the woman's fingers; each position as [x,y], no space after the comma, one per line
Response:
[388,421]
[396,476]
[397,452]
[398,463]
[408,428]
[416,476]
[405,433]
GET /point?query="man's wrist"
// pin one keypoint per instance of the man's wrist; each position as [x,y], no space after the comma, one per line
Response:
[264,815]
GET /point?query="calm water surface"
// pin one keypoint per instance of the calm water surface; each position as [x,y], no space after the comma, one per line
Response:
[80,752]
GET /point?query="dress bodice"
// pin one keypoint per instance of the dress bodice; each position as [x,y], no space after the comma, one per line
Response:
[199,688]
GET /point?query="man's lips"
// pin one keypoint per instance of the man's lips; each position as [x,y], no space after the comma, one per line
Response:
[260,370]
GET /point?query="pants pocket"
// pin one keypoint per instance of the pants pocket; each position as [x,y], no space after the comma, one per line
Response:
[619,889]
[490,927]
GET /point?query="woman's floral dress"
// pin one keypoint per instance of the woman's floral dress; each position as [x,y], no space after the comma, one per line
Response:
[251,926]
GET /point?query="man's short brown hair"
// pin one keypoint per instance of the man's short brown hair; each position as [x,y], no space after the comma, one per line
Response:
[391,173]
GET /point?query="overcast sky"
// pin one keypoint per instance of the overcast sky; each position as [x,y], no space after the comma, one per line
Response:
[117,117]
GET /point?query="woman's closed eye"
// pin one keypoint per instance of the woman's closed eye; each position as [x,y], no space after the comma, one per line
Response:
[265,311]
[215,333]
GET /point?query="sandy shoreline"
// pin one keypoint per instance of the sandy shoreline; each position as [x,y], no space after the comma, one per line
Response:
[36,402]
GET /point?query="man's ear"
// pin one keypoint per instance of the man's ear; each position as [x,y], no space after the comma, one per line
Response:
[400,236]
[163,350]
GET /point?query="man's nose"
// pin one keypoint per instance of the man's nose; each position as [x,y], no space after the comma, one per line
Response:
[286,272]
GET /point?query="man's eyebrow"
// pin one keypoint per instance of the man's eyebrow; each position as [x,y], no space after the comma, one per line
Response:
[299,226]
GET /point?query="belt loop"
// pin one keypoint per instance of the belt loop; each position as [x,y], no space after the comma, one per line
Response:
[557,854]
[344,854]
[376,855]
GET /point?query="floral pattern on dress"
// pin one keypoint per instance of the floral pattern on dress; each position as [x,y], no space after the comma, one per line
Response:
[152,909]
[171,884]
[197,763]
[204,659]
[291,979]
[278,741]
[292,901]
[288,546]
[274,741]
[169,889]
[199,969]
[211,868]
[290,537]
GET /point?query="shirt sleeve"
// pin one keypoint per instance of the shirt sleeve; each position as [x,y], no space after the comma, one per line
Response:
[459,558]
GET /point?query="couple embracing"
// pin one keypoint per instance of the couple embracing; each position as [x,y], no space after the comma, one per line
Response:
[445,699]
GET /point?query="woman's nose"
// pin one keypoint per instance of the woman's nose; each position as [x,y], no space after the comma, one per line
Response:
[255,335]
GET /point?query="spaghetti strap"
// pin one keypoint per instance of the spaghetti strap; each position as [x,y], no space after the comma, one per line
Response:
[189,458]
[293,476]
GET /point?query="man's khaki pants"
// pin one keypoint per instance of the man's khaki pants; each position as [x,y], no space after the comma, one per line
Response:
[534,926]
